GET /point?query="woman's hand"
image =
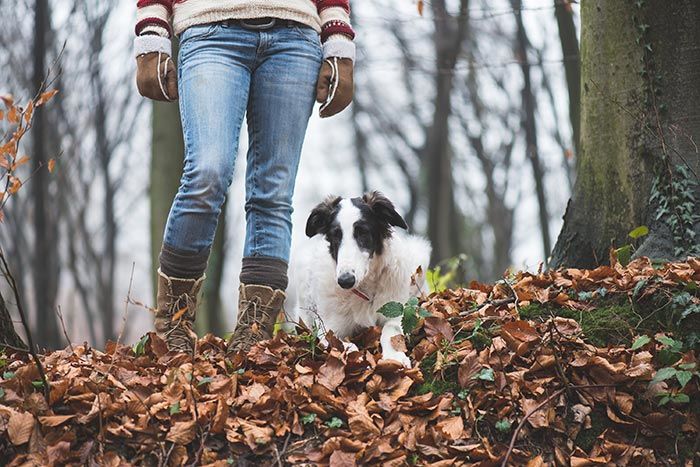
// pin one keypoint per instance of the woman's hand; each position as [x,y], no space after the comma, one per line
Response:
[156,77]
[335,99]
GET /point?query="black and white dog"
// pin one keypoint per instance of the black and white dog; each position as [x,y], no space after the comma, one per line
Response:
[358,263]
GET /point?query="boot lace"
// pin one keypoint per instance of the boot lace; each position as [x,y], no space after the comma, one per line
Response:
[180,332]
[253,314]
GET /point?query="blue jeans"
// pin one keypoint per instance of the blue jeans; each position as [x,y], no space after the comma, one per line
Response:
[226,71]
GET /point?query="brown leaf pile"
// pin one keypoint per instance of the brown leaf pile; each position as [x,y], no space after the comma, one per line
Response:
[295,403]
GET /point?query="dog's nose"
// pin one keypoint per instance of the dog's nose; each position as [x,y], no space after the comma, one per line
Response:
[346,280]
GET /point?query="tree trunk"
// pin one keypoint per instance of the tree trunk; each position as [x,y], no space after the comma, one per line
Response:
[444,219]
[105,279]
[8,335]
[212,316]
[639,118]
[45,264]
[529,124]
[167,152]
[572,66]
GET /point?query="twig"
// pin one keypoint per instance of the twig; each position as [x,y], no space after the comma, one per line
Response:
[515,296]
[495,303]
[126,315]
[167,456]
[16,349]
[286,443]
[549,399]
[63,327]
[202,442]
[25,324]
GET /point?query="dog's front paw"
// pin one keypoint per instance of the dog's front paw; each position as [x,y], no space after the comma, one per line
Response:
[400,357]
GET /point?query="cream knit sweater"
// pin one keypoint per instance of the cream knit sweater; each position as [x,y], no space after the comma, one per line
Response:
[157,18]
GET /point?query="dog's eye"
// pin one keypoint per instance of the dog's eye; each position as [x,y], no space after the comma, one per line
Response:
[334,235]
[363,238]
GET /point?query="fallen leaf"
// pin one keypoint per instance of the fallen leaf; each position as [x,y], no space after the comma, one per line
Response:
[55,420]
[331,374]
[342,459]
[19,427]
[182,432]
[451,428]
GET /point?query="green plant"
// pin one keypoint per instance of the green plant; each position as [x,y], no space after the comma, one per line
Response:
[625,252]
[205,380]
[671,352]
[640,342]
[308,418]
[409,312]
[479,336]
[311,339]
[445,274]
[682,373]
[673,193]
[503,425]
[486,374]
[334,422]
[140,346]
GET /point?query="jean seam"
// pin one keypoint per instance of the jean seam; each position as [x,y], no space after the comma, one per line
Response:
[256,157]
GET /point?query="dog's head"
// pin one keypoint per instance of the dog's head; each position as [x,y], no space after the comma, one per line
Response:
[356,230]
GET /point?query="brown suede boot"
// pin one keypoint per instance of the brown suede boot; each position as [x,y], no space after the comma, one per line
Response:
[258,307]
[177,307]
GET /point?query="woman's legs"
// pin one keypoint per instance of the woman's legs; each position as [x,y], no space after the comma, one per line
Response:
[282,96]
[214,72]
[214,78]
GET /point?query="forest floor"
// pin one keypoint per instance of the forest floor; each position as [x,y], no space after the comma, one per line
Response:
[569,367]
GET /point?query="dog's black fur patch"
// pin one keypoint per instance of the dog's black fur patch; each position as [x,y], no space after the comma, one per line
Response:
[377,217]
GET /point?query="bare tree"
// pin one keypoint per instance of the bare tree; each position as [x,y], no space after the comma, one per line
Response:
[45,264]
[91,123]
[529,122]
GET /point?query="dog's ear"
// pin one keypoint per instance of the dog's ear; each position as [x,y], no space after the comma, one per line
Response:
[384,209]
[321,216]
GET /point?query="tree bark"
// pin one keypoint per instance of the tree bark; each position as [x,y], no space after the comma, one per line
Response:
[105,280]
[639,118]
[572,66]
[444,219]
[8,335]
[45,265]
[529,124]
[213,319]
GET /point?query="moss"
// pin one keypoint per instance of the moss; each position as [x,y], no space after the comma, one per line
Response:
[612,322]
[599,423]
[433,383]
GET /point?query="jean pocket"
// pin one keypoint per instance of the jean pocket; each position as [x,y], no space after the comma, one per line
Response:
[198,32]
[308,34]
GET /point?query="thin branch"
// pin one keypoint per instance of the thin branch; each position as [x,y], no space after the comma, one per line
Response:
[30,341]
[549,399]
[63,327]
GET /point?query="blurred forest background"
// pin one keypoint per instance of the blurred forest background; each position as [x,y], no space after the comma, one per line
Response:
[465,116]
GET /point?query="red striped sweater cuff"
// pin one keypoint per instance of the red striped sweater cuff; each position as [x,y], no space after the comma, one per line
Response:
[344,4]
[168,4]
[336,27]
[152,22]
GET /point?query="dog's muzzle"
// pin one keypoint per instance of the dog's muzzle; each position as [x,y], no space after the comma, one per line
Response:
[346,280]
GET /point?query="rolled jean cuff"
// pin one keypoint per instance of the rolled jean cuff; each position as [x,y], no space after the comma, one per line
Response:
[182,264]
[262,270]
